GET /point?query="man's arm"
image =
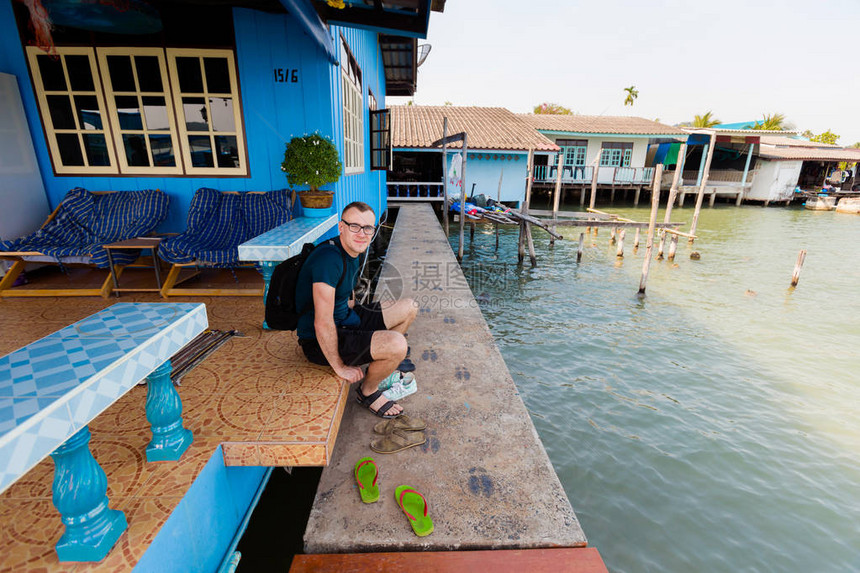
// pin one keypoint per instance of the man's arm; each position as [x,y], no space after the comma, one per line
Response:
[326,332]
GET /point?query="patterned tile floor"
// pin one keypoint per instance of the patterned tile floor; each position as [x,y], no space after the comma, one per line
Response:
[256,395]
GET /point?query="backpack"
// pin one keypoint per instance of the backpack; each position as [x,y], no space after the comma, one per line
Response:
[281,311]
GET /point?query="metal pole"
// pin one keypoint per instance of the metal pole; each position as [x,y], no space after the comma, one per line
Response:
[462,197]
[445,174]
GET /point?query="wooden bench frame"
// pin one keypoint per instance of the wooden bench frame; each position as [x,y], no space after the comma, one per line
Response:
[174,278]
[19,265]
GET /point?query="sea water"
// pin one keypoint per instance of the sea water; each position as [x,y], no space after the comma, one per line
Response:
[713,424]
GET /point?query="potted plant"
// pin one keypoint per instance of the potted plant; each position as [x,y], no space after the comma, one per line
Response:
[312,160]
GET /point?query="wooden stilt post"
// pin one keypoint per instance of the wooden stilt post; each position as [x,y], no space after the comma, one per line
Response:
[740,198]
[521,253]
[445,174]
[581,244]
[795,276]
[620,252]
[636,196]
[652,222]
[462,197]
[594,182]
[612,232]
[673,191]
[701,195]
[521,243]
[673,245]
[532,257]
[582,195]
[556,195]
[636,239]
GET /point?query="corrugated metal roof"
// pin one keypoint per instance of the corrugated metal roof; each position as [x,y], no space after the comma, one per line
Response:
[487,128]
[810,153]
[792,142]
[599,124]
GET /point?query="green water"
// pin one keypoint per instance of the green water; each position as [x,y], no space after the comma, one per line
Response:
[712,425]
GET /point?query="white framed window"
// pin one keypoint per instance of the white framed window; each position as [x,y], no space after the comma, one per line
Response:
[353,112]
[162,112]
[206,98]
[616,154]
[73,110]
[141,110]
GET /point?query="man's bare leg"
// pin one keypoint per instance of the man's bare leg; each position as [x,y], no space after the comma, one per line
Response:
[389,349]
[399,316]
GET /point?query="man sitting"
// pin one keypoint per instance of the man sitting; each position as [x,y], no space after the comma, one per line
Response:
[336,332]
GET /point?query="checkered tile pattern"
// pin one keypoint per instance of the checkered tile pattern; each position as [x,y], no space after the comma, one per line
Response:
[285,241]
[55,386]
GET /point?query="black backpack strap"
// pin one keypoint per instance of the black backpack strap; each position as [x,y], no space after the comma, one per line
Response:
[310,304]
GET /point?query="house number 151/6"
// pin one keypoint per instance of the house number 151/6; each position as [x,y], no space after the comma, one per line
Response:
[286,75]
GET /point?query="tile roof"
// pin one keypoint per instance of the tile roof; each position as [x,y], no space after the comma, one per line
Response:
[418,126]
[599,124]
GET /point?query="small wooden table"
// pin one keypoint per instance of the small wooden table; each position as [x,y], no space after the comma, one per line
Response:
[139,243]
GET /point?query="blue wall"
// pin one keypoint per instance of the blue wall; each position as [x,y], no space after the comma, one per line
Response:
[484,168]
[273,112]
[199,531]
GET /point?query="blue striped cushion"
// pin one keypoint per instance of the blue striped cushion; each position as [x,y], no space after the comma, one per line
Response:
[219,222]
[86,221]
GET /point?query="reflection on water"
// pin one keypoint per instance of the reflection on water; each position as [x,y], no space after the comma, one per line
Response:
[712,425]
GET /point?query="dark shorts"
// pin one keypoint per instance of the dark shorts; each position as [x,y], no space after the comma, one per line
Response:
[353,342]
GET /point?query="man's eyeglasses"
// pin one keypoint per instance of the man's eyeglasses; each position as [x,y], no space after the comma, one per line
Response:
[355,227]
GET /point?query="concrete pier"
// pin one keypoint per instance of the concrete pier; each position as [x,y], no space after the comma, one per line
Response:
[485,474]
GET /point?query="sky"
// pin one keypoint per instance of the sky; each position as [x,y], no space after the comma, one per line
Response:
[740,60]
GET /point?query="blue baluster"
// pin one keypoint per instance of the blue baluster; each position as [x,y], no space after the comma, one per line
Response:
[266,269]
[80,495]
[164,413]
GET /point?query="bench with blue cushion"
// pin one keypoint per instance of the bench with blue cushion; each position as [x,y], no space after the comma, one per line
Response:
[51,389]
[77,231]
[218,222]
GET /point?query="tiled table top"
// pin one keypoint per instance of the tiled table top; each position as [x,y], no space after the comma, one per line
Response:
[285,241]
[55,386]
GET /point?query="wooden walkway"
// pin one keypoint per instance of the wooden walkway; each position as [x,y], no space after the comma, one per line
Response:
[485,474]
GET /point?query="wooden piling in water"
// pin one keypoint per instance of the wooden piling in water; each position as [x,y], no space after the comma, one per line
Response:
[673,245]
[524,229]
[612,232]
[795,276]
[581,244]
[620,252]
[673,191]
[652,222]
[636,240]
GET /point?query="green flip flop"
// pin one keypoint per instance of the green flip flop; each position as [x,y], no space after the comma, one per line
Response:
[414,506]
[366,475]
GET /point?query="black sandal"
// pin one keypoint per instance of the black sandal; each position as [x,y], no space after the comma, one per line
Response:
[366,401]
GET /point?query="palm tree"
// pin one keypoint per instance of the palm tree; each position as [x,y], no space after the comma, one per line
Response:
[705,120]
[632,94]
[772,122]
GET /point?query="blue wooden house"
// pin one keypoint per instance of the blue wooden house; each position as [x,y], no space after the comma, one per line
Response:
[178,95]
